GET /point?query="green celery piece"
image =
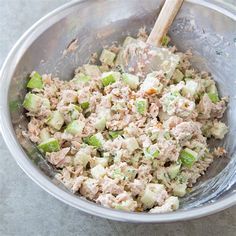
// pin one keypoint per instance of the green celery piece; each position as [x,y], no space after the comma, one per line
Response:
[84,105]
[81,158]
[93,141]
[56,120]
[109,79]
[187,158]
[177,76]
[179,189]
[115,134]
[75,127]
[151,154]
[44,135]
[74,111]
[107,57]
[141,106]
[131,80]
[46,103]
[51,145]
[165,40]
[213,97]
[35,81]
[167,135]
[32,102]
[76,108]
[82,78]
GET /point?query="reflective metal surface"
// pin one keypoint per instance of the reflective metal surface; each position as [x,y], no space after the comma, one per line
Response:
[205,28]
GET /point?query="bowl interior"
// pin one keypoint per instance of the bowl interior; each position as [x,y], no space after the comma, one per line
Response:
[99,23]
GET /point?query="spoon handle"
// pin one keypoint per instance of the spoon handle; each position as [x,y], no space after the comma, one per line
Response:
[164,21]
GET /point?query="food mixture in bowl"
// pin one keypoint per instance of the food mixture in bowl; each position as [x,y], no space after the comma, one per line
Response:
[124,140]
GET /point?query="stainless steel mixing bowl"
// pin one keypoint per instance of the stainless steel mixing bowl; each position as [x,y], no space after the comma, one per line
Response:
[210,31]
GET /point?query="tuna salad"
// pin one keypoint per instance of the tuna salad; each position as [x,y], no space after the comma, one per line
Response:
[127,140]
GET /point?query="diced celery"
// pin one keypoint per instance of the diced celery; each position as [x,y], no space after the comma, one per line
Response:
[75,127]
[100,124]
[92,70]
[166,135]
[173,170]
[213,97]
[109,78]
[151,194]
[131,80]
[129,40]
[151,153]
[76,107]
[44,135]
[141,106]
[35,81]
[50,145]
[74,111]
[81,158]
[219,130]
[82,78]
[98,172]
[177,76]
[95,140]
[32,102]
[131,144]
[56,120]
[115,134]
[84,105]
[188,157]
[46,103]
[107,57]
[165,40]
[179,189]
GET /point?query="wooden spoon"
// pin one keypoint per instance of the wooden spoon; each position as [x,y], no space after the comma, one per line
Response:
[164,21]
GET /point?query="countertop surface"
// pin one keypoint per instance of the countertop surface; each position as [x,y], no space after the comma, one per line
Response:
[26,209]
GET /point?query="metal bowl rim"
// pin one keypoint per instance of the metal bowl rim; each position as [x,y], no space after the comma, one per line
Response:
[42,180]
